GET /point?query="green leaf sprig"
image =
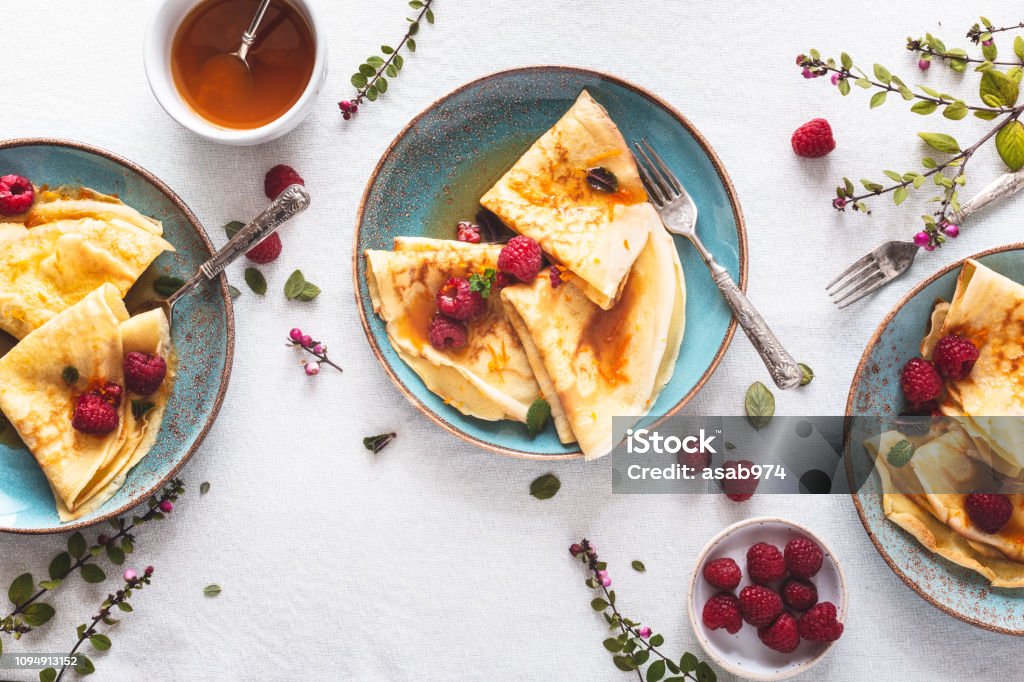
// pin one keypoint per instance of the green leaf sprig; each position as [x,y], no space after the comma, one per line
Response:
[296,288]
[998,95]
[636,644]
[371,78]
[30,613]
[90,633]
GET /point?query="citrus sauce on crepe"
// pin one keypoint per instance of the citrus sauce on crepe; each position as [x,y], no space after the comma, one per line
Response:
[216,87]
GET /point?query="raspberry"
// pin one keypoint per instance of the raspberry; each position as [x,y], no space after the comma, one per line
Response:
[278,178]
[466,231]
[723,611]
[723,573]
[266,251]
[989,511]
[920,381]
[521,257]
[765,563]
[458,301]
[799,594]
[803,557]
[819,624]
[144,372]
[16,195]
[759,605]
[782,635]
[94,415]
[813,139]
[955,356]
[698,460]
[502,280]
[556,276]
[111,392]
[446,332]
[738,489]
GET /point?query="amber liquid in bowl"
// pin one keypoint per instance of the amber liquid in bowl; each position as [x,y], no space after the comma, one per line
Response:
[280,62]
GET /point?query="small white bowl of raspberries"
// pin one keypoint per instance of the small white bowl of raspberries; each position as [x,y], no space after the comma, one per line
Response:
[767,599]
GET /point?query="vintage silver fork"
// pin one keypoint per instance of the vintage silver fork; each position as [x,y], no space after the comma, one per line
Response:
[890,260]
[292,201]
[679,214]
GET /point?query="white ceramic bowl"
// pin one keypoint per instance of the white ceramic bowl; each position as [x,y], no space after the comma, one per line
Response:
[743,654]
[157,55]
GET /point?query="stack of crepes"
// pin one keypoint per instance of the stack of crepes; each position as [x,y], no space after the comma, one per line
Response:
[980,443]
[64,269]
[604,343]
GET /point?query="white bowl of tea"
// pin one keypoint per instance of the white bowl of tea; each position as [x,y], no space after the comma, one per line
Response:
[287,65]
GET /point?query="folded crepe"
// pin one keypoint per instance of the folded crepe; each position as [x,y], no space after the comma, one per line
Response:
[490,378]
[66,246]
[596,235]
[595,364]
[987,308]
[91,336]
[929,506]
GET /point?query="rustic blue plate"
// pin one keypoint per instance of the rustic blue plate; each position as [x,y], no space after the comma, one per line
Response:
[875,391]
[439,166]
[203,334]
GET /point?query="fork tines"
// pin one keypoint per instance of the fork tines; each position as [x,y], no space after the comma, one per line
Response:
[857,281]
[661,184]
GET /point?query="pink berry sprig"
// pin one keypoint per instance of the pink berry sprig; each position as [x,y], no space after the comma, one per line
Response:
[298,338]
[930,47]
[636,644]
[998,92]
[371,78]
[30,613]
[133,583]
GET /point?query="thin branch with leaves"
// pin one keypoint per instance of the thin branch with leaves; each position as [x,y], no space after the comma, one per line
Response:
[636,644]
[998,92]
[30,613]
[371,78]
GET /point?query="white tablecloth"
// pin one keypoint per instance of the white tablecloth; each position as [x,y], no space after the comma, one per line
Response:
[430,561]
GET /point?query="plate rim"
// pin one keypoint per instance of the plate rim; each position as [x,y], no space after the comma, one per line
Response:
[716,162]
[855,383]
[229,317]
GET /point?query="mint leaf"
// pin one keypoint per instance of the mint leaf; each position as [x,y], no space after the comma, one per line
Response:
[377,443]
[482,283]
[806,374]
[141,407]
[899,455]
[537,416]
[545,487]
[295,284]
[256,281]
[167,285]
[638,566]
[233,227]
[308,293]
[759,404]
[211,590]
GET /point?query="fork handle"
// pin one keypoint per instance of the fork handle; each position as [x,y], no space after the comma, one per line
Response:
[1000,188]
[781,365]
[292,201]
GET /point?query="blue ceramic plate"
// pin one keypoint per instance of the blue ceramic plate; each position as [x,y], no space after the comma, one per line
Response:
[875,391]
[203,334]
[439,166]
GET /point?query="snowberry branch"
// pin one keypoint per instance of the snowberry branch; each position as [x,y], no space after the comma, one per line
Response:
[369,80]
[158,508]
[634,646]
[132,582]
